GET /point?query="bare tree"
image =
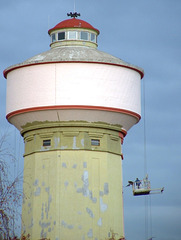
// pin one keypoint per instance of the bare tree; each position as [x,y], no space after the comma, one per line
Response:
[10,195]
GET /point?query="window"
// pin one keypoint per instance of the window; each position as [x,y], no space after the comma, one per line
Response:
[84,35]
[61,35]
[93,37]
[47,143]
[53,37]
[95,142]
[71,35]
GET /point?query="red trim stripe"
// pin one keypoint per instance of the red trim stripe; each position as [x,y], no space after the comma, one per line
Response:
[6,71]
[68,107]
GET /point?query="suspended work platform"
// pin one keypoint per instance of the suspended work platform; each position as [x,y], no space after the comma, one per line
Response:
[142,187]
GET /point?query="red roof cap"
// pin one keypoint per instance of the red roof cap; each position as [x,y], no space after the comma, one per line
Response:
[73,23]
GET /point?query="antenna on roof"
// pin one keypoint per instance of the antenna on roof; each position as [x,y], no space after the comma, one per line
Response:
[74,6]
[73,15]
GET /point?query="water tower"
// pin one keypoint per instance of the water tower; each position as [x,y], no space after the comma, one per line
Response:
[73,105]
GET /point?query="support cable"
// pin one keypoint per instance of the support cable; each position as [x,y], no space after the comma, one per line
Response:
[148,215]
[144,129]
[151,233]
[74,6]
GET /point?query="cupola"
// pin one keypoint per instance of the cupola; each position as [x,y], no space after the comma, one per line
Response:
[73,32]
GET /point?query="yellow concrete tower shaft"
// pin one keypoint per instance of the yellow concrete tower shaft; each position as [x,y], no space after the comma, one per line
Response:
[72,181]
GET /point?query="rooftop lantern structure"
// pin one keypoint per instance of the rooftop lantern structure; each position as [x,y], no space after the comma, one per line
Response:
[73,32]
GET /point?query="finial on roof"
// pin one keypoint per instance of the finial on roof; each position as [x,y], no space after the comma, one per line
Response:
[74,14]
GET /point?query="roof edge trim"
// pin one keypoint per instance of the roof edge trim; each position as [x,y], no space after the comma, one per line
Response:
[6,71]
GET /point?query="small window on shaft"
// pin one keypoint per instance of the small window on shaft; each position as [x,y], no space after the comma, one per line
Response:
[95,142]
[47,143]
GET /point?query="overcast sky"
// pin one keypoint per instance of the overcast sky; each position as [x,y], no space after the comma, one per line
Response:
[143,33]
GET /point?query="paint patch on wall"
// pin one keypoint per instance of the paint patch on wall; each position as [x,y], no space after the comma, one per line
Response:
[74,166]
[89,211]
[64,165]
[31,225]
[99,223]
[56,141]
[47,189]
[42,211]
[85,188]
[36,182]
[101,193]
[44,225]
[82,142]
[103,206]
[37,192]
[70,226]
[65,225]
[106,188]
[90,233]
[49,201]
[74,143]
[85,179]
[63,147]
[66,183]
[84,164]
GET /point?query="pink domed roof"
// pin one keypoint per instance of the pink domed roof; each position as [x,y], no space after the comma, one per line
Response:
[73,23]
